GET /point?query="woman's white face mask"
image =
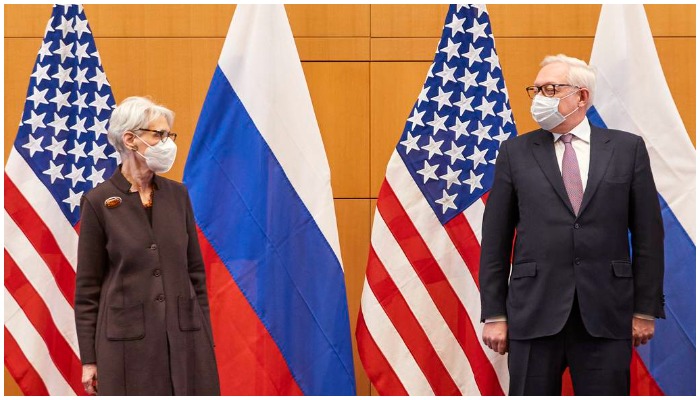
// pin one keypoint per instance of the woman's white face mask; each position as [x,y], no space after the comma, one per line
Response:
[545,111]
[159,158]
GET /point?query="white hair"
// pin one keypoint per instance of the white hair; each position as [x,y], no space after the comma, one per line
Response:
[580,74]
[131,114]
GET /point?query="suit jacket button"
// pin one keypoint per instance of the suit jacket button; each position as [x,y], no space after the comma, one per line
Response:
[576,226]
[161,298]
[156,273]
[153,247]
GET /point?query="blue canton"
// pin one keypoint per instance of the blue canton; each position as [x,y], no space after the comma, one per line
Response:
[63,131]
[462,115]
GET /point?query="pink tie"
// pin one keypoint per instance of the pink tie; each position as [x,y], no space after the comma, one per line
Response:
[571,174]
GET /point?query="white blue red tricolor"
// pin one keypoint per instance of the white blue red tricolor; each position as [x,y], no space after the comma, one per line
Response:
[260,186]
[632,95]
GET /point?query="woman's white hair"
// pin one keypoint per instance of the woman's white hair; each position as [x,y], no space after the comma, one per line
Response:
[580,74]
[134,113]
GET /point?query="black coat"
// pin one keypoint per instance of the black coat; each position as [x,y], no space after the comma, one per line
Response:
[557,254]
[141,307]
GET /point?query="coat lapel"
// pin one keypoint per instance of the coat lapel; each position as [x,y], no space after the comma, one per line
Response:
[543,150]
[162,207]
[601,153]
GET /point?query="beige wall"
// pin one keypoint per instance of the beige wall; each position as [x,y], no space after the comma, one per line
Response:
[364,66]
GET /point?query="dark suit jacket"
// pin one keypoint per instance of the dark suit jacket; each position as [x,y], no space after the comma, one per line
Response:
[557,254]
[141,307]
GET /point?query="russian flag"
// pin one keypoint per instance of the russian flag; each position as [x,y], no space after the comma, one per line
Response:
[632,95]
[260,187]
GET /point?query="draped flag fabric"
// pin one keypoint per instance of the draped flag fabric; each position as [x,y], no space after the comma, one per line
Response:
[419,329]
[632,95]
[260,186]
[59,154]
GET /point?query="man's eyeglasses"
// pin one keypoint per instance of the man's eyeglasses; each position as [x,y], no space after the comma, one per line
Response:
[548,90]
[163,135]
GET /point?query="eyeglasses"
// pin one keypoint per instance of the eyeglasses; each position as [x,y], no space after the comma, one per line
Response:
[548,90]
[163,135]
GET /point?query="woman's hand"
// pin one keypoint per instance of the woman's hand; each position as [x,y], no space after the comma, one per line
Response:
[90,378]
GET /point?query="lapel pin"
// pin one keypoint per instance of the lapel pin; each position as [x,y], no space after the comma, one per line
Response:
[113,202]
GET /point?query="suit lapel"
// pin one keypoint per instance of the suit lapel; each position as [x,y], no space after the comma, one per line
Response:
[543,150]
[601,153]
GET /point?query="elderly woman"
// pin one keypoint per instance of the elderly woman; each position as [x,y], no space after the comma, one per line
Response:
[141,306]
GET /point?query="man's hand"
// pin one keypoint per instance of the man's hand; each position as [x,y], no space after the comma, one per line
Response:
[90,378]
[495,336]
[642,330]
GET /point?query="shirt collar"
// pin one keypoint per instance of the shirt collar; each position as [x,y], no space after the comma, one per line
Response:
[581,131]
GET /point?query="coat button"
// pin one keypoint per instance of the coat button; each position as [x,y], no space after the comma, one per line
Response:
[576,226]
[156,273]
[160,297]
[578,261]
[153,247]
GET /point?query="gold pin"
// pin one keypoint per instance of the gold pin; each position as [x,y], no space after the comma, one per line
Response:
[113,202]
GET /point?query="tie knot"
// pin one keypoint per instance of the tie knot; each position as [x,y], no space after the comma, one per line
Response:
[567,138]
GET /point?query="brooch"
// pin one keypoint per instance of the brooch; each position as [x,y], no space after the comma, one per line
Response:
[113,202]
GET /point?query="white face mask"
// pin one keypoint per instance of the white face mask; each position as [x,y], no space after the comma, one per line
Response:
[159,158]
[545,111]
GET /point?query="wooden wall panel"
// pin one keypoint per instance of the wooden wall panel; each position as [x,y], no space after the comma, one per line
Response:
[364,65]
[333,49]
[671,20]
[525,20]
[394,88]
[329,19]
[159,20]
[11,388]
[532,20]
[133,20]
[344,125]
[678,60]
[403,49]
[544,20]
[26,20]
[18,68]
[407,20]
[189,20]
[354,230]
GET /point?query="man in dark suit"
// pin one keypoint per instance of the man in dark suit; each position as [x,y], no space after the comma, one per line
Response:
[572,196]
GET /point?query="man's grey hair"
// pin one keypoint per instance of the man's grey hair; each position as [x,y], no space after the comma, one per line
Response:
[580,74]
[131,114]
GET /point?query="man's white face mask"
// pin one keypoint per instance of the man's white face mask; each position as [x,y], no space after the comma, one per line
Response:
[545,111]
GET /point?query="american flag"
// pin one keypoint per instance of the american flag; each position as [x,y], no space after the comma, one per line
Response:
[60,153]
[419,331]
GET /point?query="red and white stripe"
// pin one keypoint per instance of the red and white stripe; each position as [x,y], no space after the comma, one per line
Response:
[41,345]
[419,329]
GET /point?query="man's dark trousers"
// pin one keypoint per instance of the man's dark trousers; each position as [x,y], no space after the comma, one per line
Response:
[598,366]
